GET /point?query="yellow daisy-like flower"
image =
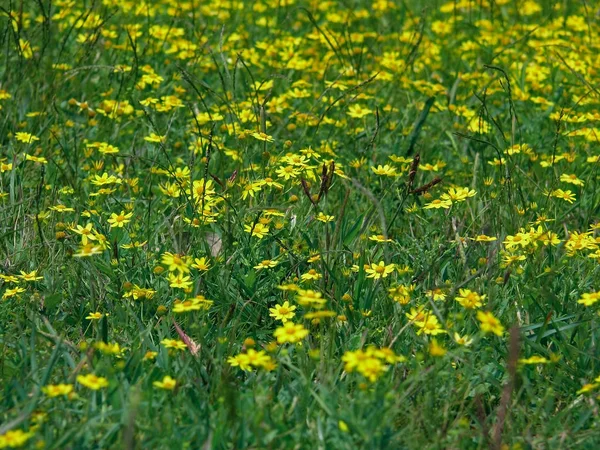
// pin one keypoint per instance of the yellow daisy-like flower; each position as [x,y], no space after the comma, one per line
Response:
[290,332]
[167,383]
[283,312]
[92,381]
[379,270]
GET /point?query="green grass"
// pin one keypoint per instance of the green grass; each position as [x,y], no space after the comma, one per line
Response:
[226,118]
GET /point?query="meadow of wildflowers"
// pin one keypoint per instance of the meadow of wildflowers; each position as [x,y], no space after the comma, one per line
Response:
[299,224]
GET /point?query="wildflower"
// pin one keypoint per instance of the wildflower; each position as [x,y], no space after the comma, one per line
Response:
[489,324]
[469,299]
[150,355]
[311,275]
[462,340]
[458,194]
[571,179]
[175,262]
[87,233]
[31,276]
[266,264]
[588,299]
[119,220]
[258,358]
[15,438]
[262,136]
[401,293]
[324,218]
[12,292]
[37,159]
[564,195]
[174,343]
[290,332]
[201,264]
[379,270]
[108,348]
[88,250]
[193,304]
[55,390]
[61,208]
[155,138]
[283,312]
[535,359]
[310,298]
[358,112]
[287,172]
[249,190]
[588,388]
[484,238]
[180,281]
[379,238]
[438,203]
[435,349]
[518,240]
[437,294]
[167,383]
[385,170]
[259,230]
[242,361]
[92,381]
[26,138]
[94,316]
[429,325]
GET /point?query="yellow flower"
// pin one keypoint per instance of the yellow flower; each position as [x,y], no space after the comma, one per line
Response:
[469,299]
[386,170]
[379,238]
[176,262]
[88,250]
[462,340]
[266,264]
[26,138]
[119,220]
[489,324]
[310,298]
[261,136]
[429,325]
[564,195]
[324,218]
[174,343]
[484,238]
[87,233]
[201,264]
[290,332]
[15,438]
[180,281]
[283,312]
[588,299]
[94,316]
[571,179]
[357,111]
[54,390]
[458,194]
[312,274]
[92,381]
[31,276]
[12,292]
[438,203]
[167,383]
[535,359]
[435,349]
[259,230]
[155,138]
[379,270]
